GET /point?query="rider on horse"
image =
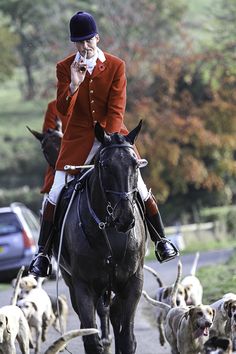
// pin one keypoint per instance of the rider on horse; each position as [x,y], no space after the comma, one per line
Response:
[91,88]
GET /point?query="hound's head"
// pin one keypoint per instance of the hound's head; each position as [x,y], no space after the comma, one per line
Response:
[201,319]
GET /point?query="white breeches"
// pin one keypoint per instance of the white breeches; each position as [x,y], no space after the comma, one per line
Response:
[59,179]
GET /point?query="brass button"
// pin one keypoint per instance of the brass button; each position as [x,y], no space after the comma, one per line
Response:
[92,101]
[91,91]
[93,111]
[91,81]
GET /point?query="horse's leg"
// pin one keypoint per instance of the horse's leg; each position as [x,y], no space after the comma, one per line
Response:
[122,316]
[86,310]
[104,314]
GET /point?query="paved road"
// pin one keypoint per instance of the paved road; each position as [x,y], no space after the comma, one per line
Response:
[145,329]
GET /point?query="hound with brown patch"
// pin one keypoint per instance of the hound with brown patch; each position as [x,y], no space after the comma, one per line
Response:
[164,294]
[186,329]
[222,321]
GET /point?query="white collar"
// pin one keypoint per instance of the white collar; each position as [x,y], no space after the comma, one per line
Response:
[101,55]
[98,55]
[92,61]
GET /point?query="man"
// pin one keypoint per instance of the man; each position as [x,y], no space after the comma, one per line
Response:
[91,88]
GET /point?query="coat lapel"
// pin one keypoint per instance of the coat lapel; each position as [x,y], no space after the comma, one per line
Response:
[99,68]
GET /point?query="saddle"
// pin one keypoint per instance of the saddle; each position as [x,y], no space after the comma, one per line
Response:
[77,184]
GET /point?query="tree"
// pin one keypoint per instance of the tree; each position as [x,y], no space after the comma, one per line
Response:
[8,59]
[41,27]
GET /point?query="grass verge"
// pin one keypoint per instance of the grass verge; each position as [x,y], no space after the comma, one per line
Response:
[218,280]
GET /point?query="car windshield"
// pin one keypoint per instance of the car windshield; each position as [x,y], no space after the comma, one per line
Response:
[9,224]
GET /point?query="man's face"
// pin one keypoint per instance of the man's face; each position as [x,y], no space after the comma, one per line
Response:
[89,45]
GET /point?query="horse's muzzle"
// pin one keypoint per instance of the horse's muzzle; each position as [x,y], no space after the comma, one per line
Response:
[124,226]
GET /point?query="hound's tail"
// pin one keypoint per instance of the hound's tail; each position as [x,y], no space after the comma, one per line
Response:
[156,303]
[194,265]
[175,287]
[153,272]
[62,341]
[17,286]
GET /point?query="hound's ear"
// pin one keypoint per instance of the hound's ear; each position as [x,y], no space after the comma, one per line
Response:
[190,312]
[101,135]
[34,306]
[132,136]
[227,307]
[214,313]
[167,292]
[185,294]
[7,326]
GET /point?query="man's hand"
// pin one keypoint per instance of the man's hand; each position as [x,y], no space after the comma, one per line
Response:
[78,72]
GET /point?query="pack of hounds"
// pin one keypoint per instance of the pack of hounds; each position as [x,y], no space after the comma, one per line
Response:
[30,313]
[188,326]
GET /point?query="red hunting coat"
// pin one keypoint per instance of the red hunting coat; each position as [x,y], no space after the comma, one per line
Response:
[100,98]
[50,118]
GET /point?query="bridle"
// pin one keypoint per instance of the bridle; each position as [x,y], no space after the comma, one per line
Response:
[129,196]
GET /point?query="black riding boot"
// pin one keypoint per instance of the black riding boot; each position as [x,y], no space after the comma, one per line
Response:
[164,249]
[41,263]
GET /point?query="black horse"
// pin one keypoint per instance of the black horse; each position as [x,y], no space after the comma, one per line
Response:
[103,244]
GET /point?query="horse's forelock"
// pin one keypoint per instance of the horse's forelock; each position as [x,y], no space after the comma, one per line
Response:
[118,139]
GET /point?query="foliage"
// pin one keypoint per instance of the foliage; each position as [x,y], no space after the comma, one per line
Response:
[189,135]
[30,197]
[8,60]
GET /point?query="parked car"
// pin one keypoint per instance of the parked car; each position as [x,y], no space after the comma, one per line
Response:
[19,232]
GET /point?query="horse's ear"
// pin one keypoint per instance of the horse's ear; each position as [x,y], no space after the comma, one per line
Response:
[37,135]
[100,134]
[132,136]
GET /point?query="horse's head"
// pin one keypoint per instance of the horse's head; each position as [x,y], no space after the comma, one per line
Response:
[117,166]
[50,143]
